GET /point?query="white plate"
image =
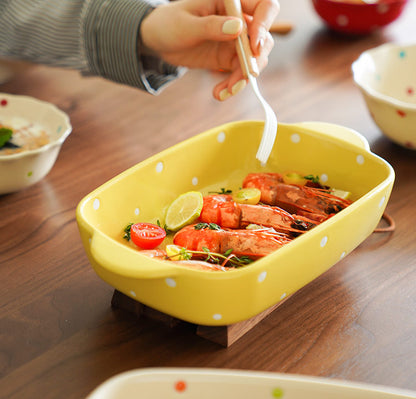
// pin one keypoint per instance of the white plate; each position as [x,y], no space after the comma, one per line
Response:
[175,383]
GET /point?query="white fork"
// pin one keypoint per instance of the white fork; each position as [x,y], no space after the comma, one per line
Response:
[250,70]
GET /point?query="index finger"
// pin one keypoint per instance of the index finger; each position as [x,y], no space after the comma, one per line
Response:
[264,12]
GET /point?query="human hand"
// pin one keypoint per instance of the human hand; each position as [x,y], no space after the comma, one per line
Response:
[199,34]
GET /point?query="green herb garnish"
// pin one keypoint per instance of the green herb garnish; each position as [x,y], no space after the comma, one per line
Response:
[210,226]
[127,231]
[163,227]
[225,259]
[312,178]
[5,135]
[222,191]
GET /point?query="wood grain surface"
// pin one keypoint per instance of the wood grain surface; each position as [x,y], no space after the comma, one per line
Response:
[60,337]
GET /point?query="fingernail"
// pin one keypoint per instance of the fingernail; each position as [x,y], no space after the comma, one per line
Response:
[224,94]
[232,26]
[238,87]
[262,38]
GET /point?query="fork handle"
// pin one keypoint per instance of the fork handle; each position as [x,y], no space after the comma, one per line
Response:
[247,61]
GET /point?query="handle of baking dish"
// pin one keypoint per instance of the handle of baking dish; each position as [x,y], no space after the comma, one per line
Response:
[341,133]
[118,259]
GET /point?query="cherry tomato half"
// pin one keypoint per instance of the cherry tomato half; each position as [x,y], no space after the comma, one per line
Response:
[147,235]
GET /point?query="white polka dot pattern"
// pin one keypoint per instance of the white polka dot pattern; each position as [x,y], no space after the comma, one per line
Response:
[262,277]
[342,20]
[170,282]
[221,137]
[295,138]
[380,204]
[360,159]
[96,204]
[159,167]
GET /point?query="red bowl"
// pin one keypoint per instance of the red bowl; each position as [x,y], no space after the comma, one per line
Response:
[354,17]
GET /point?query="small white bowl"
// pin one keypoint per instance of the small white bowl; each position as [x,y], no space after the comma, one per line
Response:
[20,170]
[386,76]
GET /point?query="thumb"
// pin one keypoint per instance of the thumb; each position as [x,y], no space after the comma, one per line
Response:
[215,27]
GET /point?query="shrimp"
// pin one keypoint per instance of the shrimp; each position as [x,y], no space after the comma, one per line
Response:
[251,243]
[161,254]
[311,202]
[156,253]
[222,237]
[222,210]
[202,265]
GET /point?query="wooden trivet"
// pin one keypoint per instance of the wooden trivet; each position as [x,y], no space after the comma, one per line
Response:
[223,335]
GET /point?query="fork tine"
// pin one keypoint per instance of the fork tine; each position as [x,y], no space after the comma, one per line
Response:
[270,126]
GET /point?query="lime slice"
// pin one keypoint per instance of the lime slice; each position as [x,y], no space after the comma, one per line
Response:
[253,226]
[294,178]
[184,210]
[249,195]
[174,252]
[341,193]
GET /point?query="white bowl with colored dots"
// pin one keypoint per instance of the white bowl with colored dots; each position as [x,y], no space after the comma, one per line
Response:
[211,161]
[38,132]
[170,383]
[386,77]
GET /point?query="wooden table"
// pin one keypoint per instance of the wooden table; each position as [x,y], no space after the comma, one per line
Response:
[60,338]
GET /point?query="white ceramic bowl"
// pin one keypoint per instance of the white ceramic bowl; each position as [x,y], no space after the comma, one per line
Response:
[20,170]
[175,383]
[386,76]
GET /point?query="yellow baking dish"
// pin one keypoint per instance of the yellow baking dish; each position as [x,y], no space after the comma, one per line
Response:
[220,158]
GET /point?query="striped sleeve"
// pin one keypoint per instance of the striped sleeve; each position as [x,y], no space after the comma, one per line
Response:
[96,37]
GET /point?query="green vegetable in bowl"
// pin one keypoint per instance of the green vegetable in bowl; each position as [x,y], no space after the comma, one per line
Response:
[5,135]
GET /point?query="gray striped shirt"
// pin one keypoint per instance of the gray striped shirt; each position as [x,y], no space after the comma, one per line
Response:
[96,37]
